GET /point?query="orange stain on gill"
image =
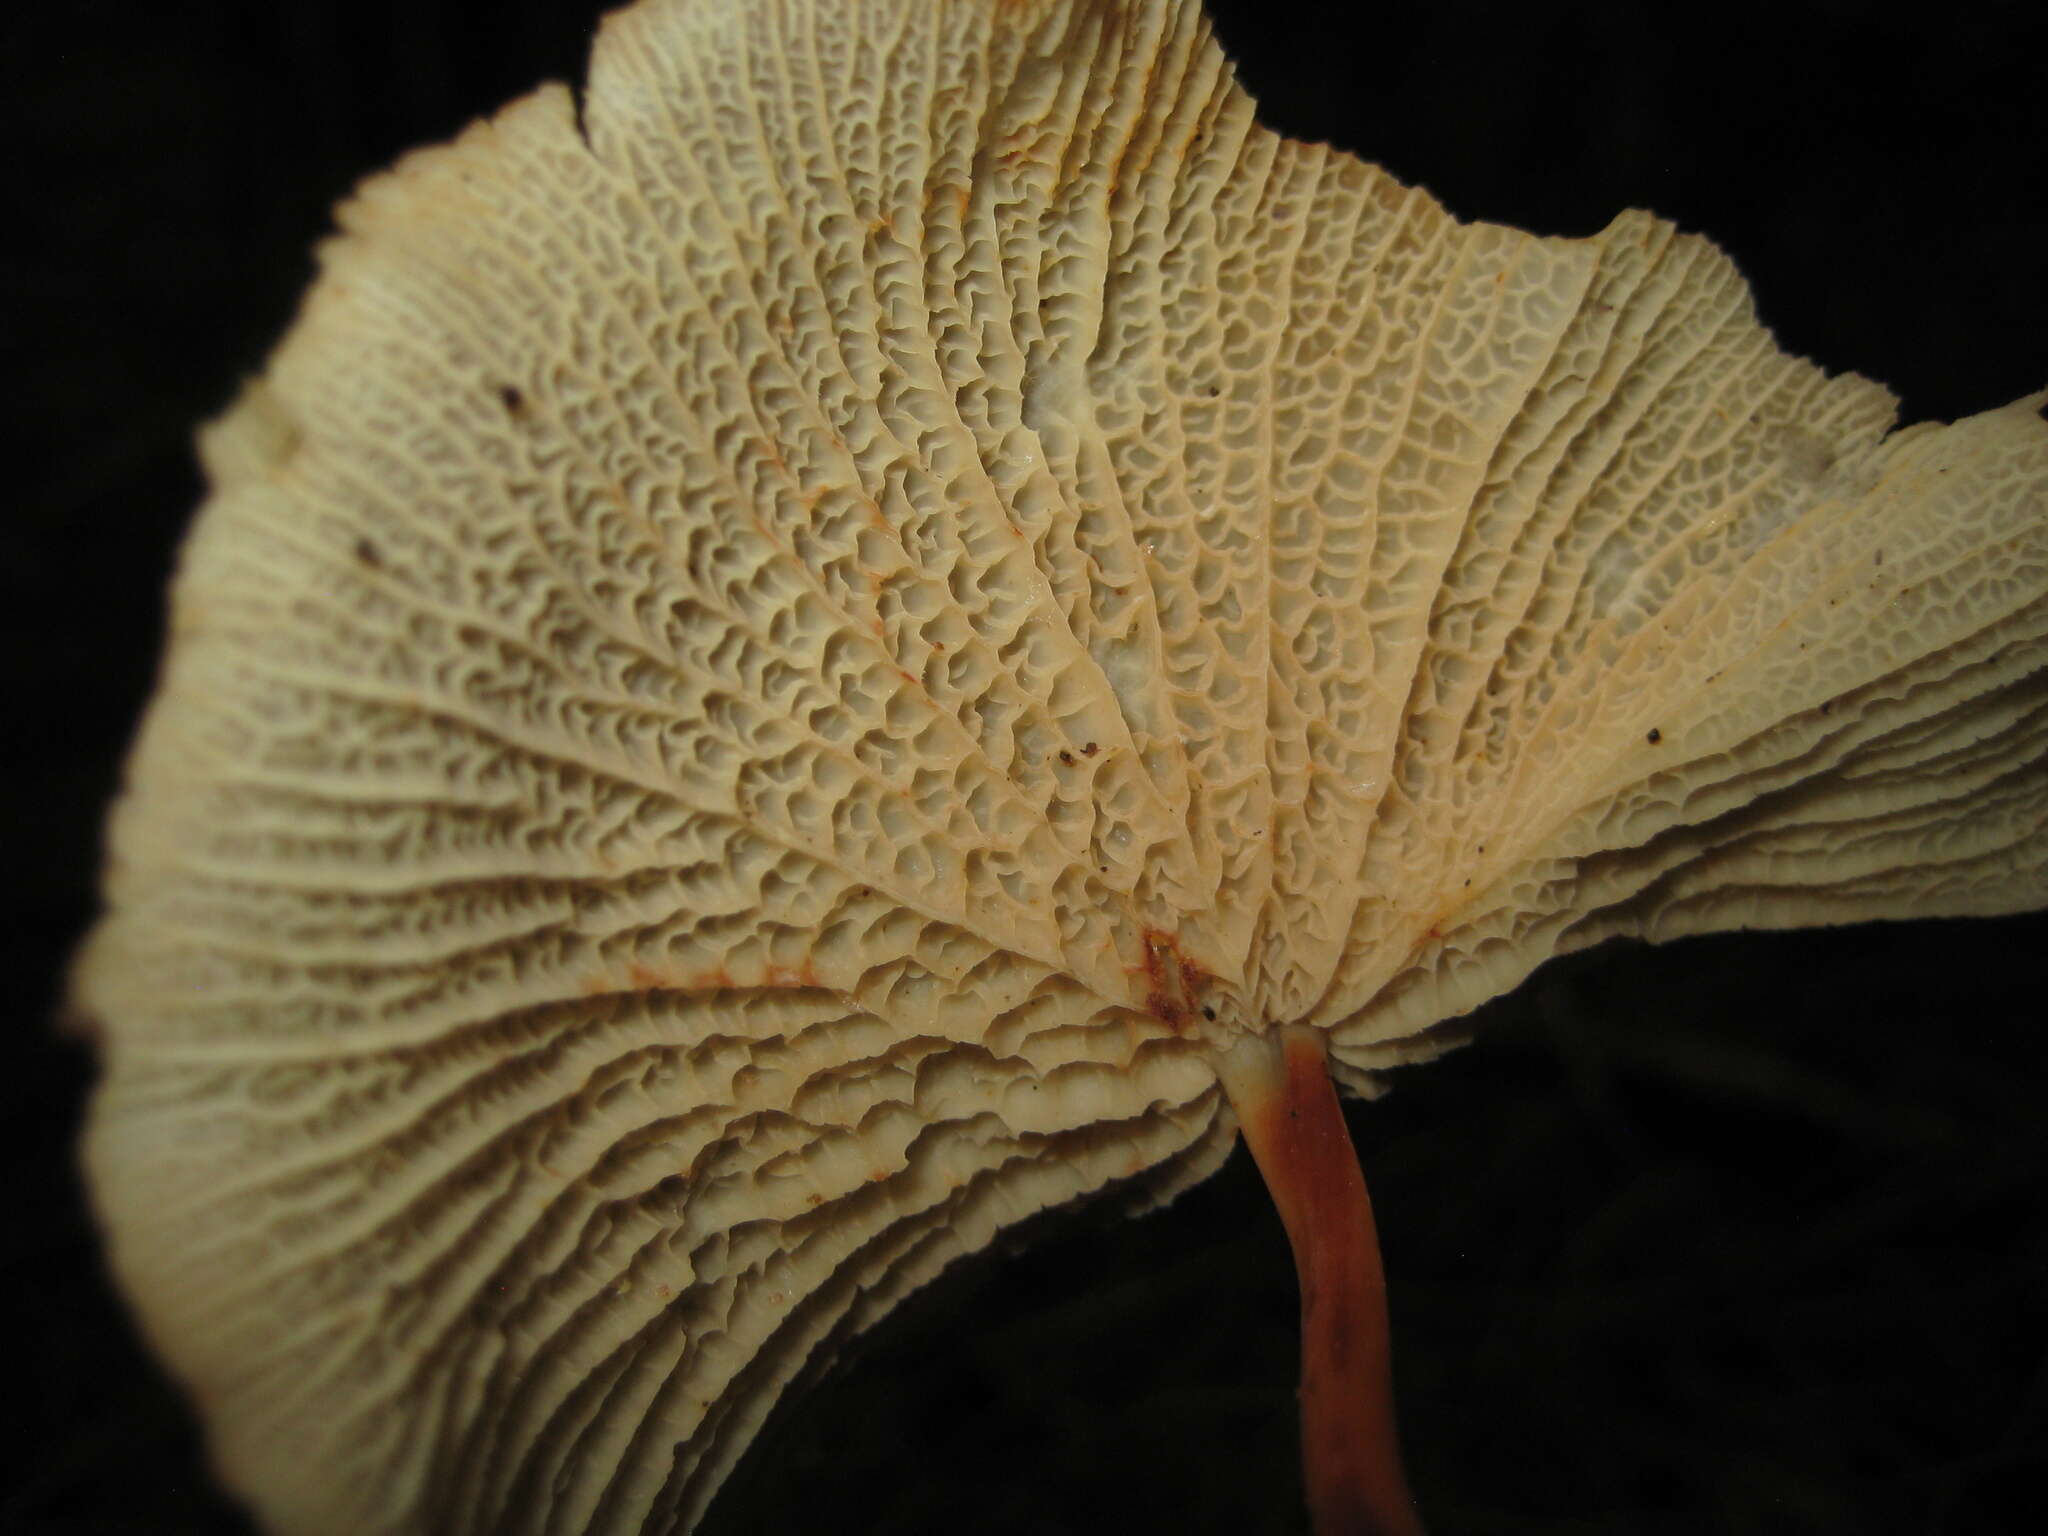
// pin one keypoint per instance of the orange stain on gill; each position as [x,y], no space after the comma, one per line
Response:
[1173,983]
[641,977]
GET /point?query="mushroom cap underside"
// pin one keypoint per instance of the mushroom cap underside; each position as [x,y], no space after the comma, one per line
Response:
[770,673]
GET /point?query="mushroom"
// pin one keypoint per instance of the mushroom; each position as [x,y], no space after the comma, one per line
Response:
[905,619]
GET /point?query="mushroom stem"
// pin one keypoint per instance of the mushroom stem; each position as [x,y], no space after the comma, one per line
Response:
[1279,1084]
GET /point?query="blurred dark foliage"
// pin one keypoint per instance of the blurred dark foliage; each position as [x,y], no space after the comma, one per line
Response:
[1748,1234]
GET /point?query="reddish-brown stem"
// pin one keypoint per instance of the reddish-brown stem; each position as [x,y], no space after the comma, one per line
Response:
[1350,1456]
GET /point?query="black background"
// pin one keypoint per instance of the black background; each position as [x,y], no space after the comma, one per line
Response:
[1745,1234]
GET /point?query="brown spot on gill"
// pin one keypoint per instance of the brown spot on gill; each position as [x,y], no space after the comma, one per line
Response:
[1174,983]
